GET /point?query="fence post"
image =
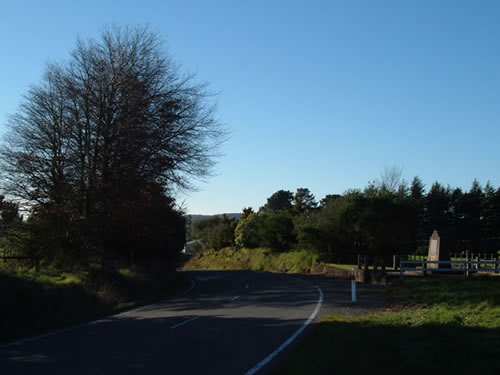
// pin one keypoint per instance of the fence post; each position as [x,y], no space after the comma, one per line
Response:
[394,262]
[425,267]
[466,264]
[496,264]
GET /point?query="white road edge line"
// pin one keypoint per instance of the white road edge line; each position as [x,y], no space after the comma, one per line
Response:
[271,356]
[63,330]
[235,298]
[185,322]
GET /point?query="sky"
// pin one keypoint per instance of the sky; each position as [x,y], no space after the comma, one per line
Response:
[317,94]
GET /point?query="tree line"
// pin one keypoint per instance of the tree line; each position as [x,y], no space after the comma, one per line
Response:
[387,217]
[99,146]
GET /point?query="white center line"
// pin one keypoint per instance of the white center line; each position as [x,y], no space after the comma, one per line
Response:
[235,298]
[185,322]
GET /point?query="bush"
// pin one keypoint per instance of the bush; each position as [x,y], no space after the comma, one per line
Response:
[214,232]
[275,231]
[247,232]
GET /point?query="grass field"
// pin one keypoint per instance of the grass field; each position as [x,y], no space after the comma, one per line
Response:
[34,302]
[435,326]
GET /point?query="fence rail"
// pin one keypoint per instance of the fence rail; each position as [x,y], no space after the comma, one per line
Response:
[464,266]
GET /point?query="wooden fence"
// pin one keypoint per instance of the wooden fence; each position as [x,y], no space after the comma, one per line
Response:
[450,266]
[393,262]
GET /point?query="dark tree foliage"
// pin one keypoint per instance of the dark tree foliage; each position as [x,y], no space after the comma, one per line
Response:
[9,213]
[247,211]
[438,205]
[273,230]
[279,201]
[381,221]
[491,212]
[376,223]
[277,232]
[214,232]
[329,198]
[99,143]
[304,201]
[472,209]
[417,204]
[147,224]
[323,232]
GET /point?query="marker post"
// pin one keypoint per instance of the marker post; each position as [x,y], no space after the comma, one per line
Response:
[353,285]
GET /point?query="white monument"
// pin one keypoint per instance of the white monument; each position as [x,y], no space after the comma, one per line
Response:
[433,253]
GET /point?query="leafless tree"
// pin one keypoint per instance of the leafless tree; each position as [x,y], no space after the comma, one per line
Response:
[118,115]
[115,124]
[391,179]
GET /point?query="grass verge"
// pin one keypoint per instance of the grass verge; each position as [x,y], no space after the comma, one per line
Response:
[261,260]
[253,259]
[435,326]
[37,302]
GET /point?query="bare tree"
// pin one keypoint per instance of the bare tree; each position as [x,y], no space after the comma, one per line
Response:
[118,114]
[391,179]
[117,117]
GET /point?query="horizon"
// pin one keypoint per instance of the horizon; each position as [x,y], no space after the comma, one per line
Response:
[318,199]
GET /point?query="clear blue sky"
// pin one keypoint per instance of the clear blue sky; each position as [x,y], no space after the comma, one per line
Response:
[317,94]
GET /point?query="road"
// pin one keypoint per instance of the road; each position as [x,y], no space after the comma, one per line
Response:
[229,322]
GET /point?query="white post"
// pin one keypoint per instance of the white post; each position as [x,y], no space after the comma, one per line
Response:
[353,286]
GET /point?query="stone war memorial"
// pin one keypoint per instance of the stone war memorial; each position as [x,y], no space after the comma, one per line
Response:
[434,247]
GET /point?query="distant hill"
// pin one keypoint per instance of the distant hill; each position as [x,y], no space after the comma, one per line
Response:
[196,217]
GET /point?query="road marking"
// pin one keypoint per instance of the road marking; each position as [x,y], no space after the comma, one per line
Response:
[106,319]
[185,322]
[235,298]
[271,356]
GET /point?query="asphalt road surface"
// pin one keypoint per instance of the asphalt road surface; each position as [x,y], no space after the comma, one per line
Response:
[227,323]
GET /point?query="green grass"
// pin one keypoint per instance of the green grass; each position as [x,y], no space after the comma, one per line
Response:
[33,302]
[253,259]
[435,326]
[261,260]
[349,267]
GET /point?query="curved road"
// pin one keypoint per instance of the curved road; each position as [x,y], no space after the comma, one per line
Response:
[228,323]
